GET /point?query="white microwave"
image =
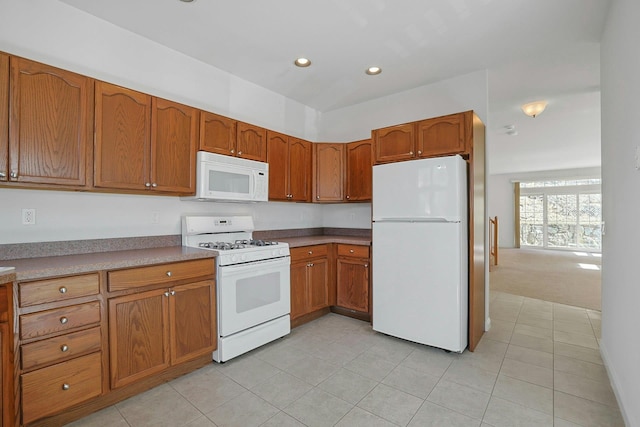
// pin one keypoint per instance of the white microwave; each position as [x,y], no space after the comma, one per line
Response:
[230,179]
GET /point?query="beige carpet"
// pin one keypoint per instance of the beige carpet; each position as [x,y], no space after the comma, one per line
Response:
[555,276]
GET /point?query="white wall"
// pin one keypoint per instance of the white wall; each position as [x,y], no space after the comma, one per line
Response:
[501,198]
[462,93]
[620,85]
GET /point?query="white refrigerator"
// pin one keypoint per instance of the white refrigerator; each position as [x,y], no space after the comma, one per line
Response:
[420,251]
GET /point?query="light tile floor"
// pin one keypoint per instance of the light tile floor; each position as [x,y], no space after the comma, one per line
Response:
[539,365]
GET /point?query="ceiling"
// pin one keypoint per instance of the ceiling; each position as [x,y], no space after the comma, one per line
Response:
[545,49]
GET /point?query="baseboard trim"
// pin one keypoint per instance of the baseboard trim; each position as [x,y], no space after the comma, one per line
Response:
[614,379]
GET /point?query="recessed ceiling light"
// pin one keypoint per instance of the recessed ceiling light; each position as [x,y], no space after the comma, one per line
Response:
[372,71]
[187,1]
[302,62]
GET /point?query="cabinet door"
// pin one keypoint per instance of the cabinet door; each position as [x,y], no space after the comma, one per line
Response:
[299,292]
[174,135]
[4,360]
[138,336]
[4,117]
[192,309]
[359,171]
[51,117]
[442,136]
[394,143]
[278,159]
[217,134]
[251,142]
[353,284]
[299,170]
[318,284]
[122,141]
[328,172]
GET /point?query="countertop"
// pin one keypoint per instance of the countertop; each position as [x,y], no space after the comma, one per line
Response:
[51,266]
[295,242]
[35,268]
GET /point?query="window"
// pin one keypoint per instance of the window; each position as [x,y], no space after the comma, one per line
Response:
[561,214]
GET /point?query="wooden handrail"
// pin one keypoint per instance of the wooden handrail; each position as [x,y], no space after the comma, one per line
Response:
[493,239]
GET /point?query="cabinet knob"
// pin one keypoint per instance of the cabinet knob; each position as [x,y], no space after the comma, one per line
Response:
[63,320]
[169,273]
[411,153]
[173,292]
[239,153]
[310,252]
[351,251]
[419,152]
[13,174]
[66,386]
[3,175]
[154,185]
[233,151]
[348,197]
[64,348]
[366,266]
[318,197]
[147,184]
[63,290]
[310,264]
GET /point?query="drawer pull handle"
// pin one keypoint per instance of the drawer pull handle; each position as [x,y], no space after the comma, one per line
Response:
[66,386]
[63,290]
[64,348]
[169,273]
[63,320]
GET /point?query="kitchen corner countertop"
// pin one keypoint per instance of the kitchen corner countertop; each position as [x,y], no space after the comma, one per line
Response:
[7,274]
[295,242]
[35,268]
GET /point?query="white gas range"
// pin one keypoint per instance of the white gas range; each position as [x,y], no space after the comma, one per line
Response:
[252,282]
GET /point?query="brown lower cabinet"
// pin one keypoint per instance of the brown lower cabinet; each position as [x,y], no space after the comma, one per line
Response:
[352,283]
[152,330]
[6,360]
[309,280]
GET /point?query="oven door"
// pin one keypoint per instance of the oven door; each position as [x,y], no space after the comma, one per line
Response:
[252,293]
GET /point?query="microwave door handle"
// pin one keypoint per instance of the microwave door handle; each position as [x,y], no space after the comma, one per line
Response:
[255,184]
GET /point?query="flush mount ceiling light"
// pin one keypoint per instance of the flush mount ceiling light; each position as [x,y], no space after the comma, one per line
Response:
[534,109]
[302,62]
[372,71]
[187,1]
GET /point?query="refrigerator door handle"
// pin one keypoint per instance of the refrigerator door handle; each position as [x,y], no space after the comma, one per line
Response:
[416,219]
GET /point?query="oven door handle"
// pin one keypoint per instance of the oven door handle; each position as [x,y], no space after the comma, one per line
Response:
[273,262]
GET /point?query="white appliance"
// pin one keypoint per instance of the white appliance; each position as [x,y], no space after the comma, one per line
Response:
[230,179]
[252,282]
[420,251]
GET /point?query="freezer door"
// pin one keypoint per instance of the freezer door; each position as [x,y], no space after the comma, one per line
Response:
[419,273]
[426,188]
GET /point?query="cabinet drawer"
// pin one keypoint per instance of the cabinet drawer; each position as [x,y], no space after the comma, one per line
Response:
[308,252]
[157,274]
[58,289]
[356,251]
[61,319]
[58,349]
[53,389]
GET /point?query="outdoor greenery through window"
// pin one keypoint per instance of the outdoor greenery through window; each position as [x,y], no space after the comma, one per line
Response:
[561,214]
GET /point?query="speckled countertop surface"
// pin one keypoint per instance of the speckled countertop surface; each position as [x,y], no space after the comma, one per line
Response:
[319,240]
[7,274]
[35,268]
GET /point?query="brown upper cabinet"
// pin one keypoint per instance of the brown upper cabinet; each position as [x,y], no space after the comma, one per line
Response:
[217,134]
[359,171]
[144,143]
[394,143]
[438,136]
[289,161]
[442,136]
[251,142]
[328,172]
[222,135]
[50,117]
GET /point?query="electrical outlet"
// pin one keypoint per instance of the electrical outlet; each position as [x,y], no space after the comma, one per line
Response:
[28,216]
